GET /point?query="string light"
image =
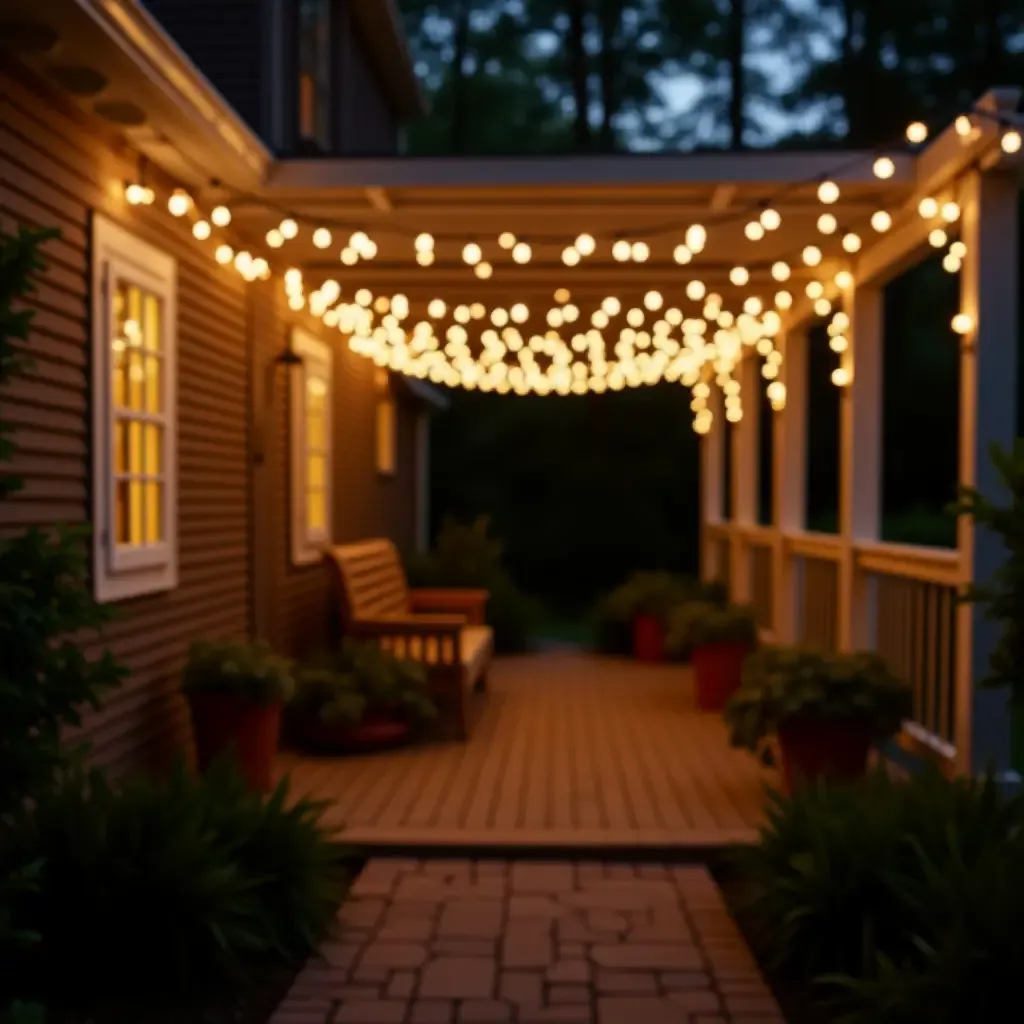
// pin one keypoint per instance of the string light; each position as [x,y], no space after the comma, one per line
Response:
[179,203]
[917,132]
[884,168]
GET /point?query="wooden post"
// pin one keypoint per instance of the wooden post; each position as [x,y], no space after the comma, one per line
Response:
[988,413]
[860,475]
[789,466]
[712,470]
[745,461]
[422,464]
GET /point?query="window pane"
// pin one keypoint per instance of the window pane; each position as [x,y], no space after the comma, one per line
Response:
[136,381]
[120,447]
[154,450]
[314,69]
[121,512]
[154,517]
[154,390]
[151,323]
[135,493]
[135,463]
[314,431]
[315,471]
[315,509]
[119,373]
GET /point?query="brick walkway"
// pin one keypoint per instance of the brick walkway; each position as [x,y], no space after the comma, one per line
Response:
[470,942]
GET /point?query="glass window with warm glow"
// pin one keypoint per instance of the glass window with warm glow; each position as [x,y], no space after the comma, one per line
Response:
[314,71]
[135,415]
[311,447]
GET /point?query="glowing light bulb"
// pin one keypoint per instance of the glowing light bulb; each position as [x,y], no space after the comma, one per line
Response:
[221,216]
[917,132]
[840,376]
[681,254]
[827,224]
[964,127]
[884,168]
[881,221]
[653,300]
[1011,141]
[851,242]
[506,240]
[771,219]
[288,228]
[958,249]
[472,253]
[202,230]
[781,271]
[928,208]
[695,290]
[321,238]
[585,245]
[179,203]
[424,242]
[811,255]
[814,290]
[938,238]
[621,250]
[950,212]
[754,231]
[739,276]
[424,259]
[350,257]
[828,192]
[274,238]
[521,252]
[783,300]
[963,323]
[570,256]
[696,238]
[483,270]
[844,280]
[224,254]
[640,251]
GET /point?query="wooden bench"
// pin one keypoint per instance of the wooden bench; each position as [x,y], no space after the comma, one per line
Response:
[442,629]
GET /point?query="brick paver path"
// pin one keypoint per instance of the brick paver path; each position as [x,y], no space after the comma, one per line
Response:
[469,942]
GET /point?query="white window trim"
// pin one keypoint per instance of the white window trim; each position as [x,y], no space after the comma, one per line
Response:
[308,546]
[119,575]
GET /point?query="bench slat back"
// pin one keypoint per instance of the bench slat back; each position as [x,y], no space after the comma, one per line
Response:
[370,578]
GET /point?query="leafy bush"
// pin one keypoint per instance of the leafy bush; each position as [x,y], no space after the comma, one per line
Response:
[700,623]
[45,606]
[341,687]
[250,671]
[836,881]
[654,593]
[165,894]
[790,684]
[466,556]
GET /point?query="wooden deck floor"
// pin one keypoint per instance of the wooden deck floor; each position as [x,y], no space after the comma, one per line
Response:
[570,750]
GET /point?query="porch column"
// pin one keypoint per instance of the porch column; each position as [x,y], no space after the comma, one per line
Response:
[789,466]
[422,466]
[712,470]
[744,477]
[860,474]
[988,413]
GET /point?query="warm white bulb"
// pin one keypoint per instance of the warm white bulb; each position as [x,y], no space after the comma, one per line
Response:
[827,224]
[506,240]
[822,306]
[739,276]
[436,309]
[851,242]
[814,290]
[521,252]
[288,228]
[570,256]
[844,280]
[321,238]
[350,257]
[472,253]
[964,127]
[585,245]
[917,132]
[179,203]
[812,255]
[653,300]
[696,237]
[951,264]
[424,259]
[224,254]
[754,231]
[771,219]
[950,212]
[483,270]
[640,251]
[963,323]
[937,238]
[221,216]
[881,221]
[696,290]
[681,254]
[840,376]
[1011,141]
[958,249]
[424,242]
[884,168]
[928,208]
[201,229]
[781,271]
[621,250]
[828,192]
[275,239]
[783,300]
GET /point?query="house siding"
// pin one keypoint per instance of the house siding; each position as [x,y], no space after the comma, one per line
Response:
[55,169]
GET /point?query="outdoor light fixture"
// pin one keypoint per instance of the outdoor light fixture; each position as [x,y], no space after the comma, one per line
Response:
[963,323]
[884,168]
[917,132]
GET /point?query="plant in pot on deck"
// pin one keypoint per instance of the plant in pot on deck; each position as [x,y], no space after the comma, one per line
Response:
[1002,596]
[643,604]
[358,697]
[826,710]
[236,692]
[719,639]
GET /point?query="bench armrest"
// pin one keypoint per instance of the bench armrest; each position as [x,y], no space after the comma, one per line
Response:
[409,625]
[470,602]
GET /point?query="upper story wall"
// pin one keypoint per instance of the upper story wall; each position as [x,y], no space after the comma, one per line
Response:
[246,48]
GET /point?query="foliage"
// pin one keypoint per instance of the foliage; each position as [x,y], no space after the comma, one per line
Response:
[648,593]
[250,671]
[15,883]
[342,687]
[837,878]
[701,623]
[465,555]
[793,684]
[1002,596]
[47,613]
[165,894]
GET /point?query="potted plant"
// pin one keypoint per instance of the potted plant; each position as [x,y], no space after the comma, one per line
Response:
[826,710]
[236,692]
[642,604]
[719,639]
[1002,596]
[358,698]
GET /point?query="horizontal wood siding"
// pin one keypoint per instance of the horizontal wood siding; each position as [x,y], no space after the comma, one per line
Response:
[55,167]
[224,39]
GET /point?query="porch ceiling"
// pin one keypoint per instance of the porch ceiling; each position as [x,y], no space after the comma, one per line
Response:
[549,202]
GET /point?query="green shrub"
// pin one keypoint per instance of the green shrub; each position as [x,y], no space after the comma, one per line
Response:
[793,684]
[46,608]
[701,623]
[250,671]
[834,881]
[341,687]
[465,555]
[165,894]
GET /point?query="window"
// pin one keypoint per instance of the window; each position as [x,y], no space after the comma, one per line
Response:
[312,466]
[134,291]
[387,426]
[314,73]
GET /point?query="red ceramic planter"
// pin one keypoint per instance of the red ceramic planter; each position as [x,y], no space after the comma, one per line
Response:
[222,721]
[648,638]
[717,669]
[815,750]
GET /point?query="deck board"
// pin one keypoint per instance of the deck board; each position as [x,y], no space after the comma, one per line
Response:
[570,750]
